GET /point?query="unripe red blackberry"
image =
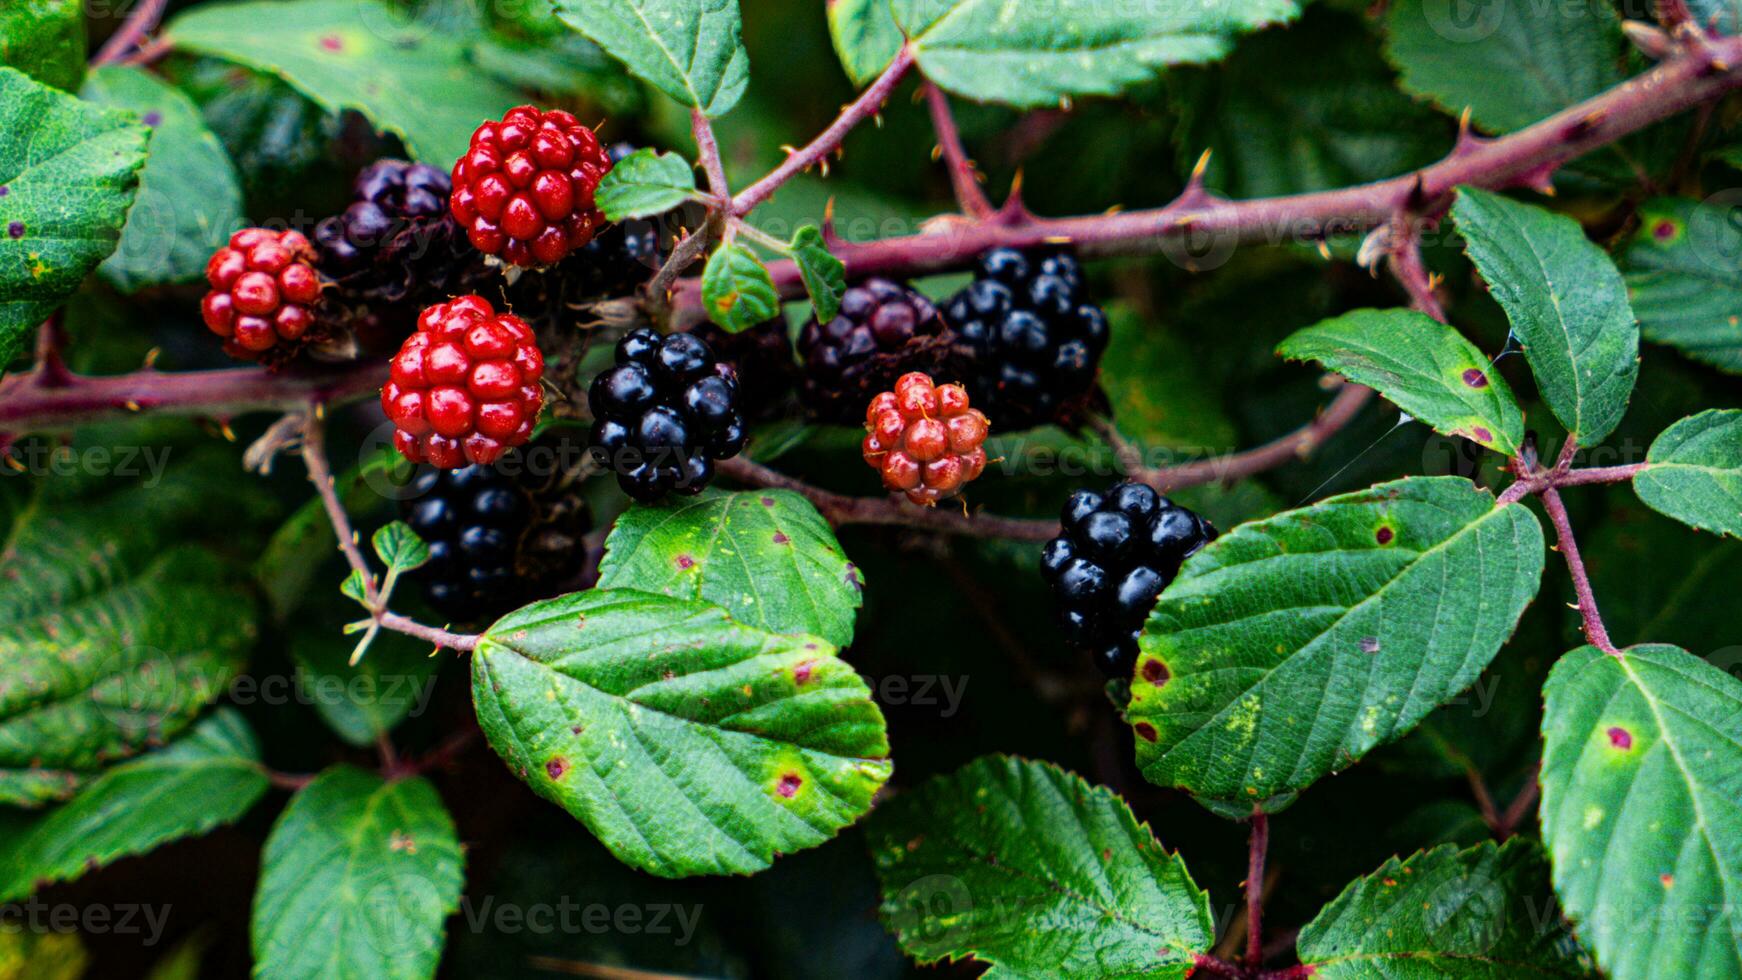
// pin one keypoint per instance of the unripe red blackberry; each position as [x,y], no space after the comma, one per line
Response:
[883,331]
[524,189]
[264,290]
[924,439]
[465,387]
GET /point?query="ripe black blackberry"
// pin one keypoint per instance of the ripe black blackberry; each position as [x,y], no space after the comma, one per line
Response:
[663,413]
[499,536]
[763,360]
[395,241]
[883,331]
[1034,340]
[1115,554]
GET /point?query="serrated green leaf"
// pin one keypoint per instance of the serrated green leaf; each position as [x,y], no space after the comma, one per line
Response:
[766,557]
[1694,472]
[865,36]
[1041,51]
[688,49]
[686,742]
[407,77]
[1485,912]
[209,776]
[1551,55]
[1566,302]
[1290,647]
[399,547]
[1027,867]
[371,866]
[45,39]
[645,183]
[189,199]
[68,173]
[1641,774]
[1684,278]
[825,277]
[1420,365]
[737,290]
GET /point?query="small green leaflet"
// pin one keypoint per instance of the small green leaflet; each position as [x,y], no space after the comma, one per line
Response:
[825,278]
[645,183]
[688,49]
[1694,472]
[1027,867]
[1290,647]
[399,547]
[45,39]
[865,36]
[1566,302]
[1038,52]
[1641,774]
[189,198]
[371,867]
[410,78]
[1550,54]
[1420,365]
[1684,277]
[70,171]
[737,290]
[1483,912]
[766,557]
[686,742]
[209,776]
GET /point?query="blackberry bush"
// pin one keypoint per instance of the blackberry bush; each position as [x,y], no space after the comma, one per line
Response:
[663,413]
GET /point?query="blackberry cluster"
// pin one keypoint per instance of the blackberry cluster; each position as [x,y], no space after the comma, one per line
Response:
[264,288]
[1034,339]
[619,258]
[883,331]
[663,414]
[395,241]
[499,537]
[762,359]
[1118,550]
[524,189]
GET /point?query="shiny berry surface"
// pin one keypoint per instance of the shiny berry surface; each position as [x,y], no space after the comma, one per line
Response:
[523,191]
[465,387]
[663,413]
[263,291]
[924,439]
[879,334]
[1115,553]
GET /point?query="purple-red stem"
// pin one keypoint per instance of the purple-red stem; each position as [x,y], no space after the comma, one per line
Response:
[27,405]
[1258,847]
[814,152]
[708,154]
[141,21]
[1595,631]
[1521,804]
[963,177]
[1296,445]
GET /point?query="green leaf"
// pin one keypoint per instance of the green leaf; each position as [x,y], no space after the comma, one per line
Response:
[687,743]
[365,701]
[1290,647]
[209,776]
[1420,365]
[45,39]
[407,77]
[115,663]
[865,36]
[1550,55]
[353,587]
[688,49]
[766,557]
[1482,912]
[399,547]
[1694,472]
[69,171]
[1027,867]
[825,277]
[1038,52]
[189,199]
[737,290]
[1641,773]
[1567,305]
[371,867]
[645,183]
[1684,277]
